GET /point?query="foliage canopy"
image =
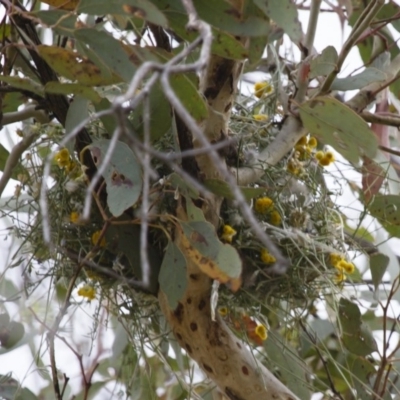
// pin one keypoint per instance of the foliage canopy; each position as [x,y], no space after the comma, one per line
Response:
[193,212]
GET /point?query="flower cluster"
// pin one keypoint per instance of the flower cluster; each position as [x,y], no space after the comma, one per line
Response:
[266,257]
[242,323]
[324,158]
[95,239]
[342,266]
[260,117]
[305,146]
[228,233]
[74,217]
[262,89]
[64,161]
[302,151]
[265,206]
[87,291]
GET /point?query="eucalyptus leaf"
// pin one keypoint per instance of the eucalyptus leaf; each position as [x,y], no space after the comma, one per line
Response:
[72,88]
[123,175]
[358,81]
[143,9]
[284,13]
[23,83]
[386,209]
[324,63]
[77,112]
[292,369]
[172,277]
[378,264]
[335,124]
[357,337]
[116,58]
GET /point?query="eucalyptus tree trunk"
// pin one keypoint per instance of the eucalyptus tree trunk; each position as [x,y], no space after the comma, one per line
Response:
[221,355]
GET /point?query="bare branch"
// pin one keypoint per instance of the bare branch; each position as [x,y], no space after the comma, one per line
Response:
[13,159]
[28,112]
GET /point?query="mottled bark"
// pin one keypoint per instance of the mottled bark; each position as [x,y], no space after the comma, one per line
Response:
[222,356]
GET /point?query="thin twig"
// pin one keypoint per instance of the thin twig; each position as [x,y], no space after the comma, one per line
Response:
[13,159]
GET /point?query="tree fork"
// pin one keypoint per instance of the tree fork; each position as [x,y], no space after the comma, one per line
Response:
[222,356]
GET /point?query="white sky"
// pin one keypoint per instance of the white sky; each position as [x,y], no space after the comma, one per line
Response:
[20,361]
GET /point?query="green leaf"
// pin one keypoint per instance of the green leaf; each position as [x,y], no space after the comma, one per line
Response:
[5,31]
[60,21]
[357,337]
[123,175]
[385,208]
[108,121]
[284,13]
[361,371]
[190,97]
[202,237]
[223,189]
[23,83]
[378,263]
[292,369]
[324,63]
[77,112]
[194,213]
[364,78]
[224,16]
[172,277]
[184,187]
[115,58]
[123,240]
[11,101]
[143,9]
[229,261]
[217,260]
[4,321]
[9,337]
[160,115]
[17,170]
[73,88]
[335,124]
[73,66]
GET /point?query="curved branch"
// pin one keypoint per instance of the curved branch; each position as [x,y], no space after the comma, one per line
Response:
[28,112]
[13,159]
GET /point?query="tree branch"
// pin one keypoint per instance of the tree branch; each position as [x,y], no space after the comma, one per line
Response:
[30,111]
[13,159]
[360,26]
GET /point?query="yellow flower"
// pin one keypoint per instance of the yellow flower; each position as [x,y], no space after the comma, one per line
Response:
[291,167]
[70,166]
[346,266]
[262,88]
[302,141]
[62,158]
[312,142]
[335,258]
[266,257]
[87,291]
[261,331]
[324,162]
[260,117]
[95,239]
[74,216]
[339,277]
[325,159]
[263,204]
[275,218]
[330,156]
[223,311]
[228,233]
[319,155]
